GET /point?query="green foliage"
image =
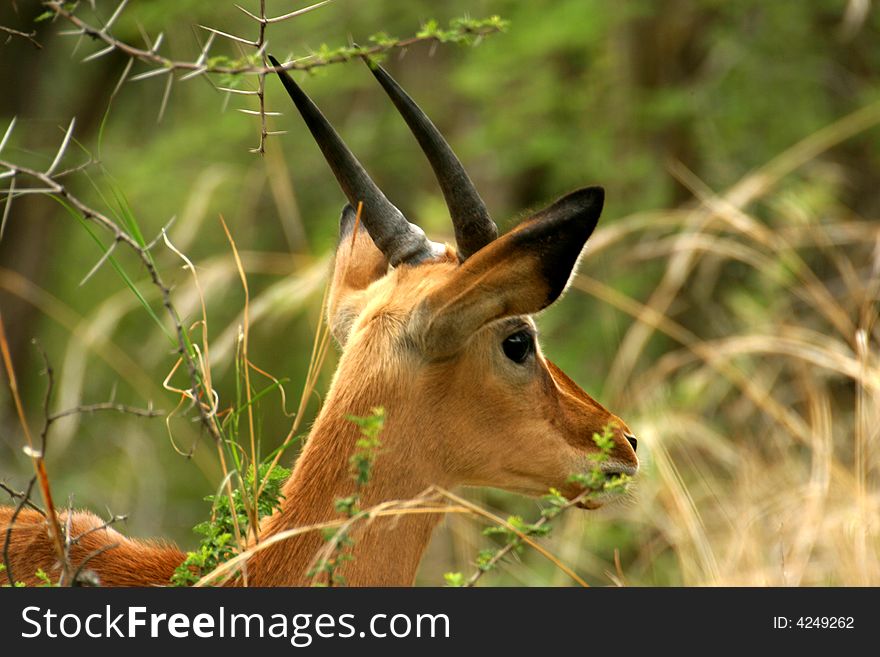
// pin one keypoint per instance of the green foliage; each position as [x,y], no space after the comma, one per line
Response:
[462,30]
[44,579]
[556,504]
[595,480]
[217,544]
[6,584]
[367,445]
[454,579]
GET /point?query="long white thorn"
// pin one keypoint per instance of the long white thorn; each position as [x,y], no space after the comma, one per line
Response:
[63,148]
[115,15]
[149,74]
[98,54]
[165,97]
[254,16]
[98,264]
[9,194]
[204,54]
[258,113]
[123,77]
[157,42]
[296,13]
[192,74]
[7,134]
[247,42]
[243,92]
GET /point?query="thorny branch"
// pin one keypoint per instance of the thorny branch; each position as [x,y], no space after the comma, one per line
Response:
[255,63]
[54,188]
[19,495]
[83,577]
[51,186]
[260,45]
[202,66]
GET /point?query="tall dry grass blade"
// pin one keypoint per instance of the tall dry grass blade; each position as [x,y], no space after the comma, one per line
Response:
[251,508]
[37,456]
[687,516]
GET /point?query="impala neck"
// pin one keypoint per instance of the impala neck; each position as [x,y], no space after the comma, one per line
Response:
[386,551]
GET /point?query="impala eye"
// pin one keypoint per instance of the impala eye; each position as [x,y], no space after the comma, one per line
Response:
[519,346]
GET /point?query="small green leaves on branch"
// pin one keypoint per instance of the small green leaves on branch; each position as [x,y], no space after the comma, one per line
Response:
[218,545]
[367,445]
[594,482]
[454,579]
[44,579]
[462,31]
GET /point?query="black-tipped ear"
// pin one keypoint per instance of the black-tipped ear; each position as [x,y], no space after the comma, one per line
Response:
[520,273]
[556,235]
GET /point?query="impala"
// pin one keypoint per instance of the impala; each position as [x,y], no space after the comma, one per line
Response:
[443,339]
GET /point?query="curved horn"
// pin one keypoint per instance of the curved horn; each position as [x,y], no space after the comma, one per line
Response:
[474,228]
[398,239]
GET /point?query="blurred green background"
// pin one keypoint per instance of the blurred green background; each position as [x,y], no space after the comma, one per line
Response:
[741,211]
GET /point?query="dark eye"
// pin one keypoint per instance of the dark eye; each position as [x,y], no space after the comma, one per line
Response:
[518,346]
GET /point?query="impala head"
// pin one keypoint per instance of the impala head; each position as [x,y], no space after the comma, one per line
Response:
[448,334]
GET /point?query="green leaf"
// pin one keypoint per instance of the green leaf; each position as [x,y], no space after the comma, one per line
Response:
[454,579]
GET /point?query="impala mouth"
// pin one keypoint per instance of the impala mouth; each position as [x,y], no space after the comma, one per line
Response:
[612,470]
[618,469]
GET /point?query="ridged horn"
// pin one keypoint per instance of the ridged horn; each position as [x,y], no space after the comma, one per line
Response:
[474,228]
[397,238]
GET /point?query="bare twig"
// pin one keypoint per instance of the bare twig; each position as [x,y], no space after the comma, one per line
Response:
[23,501]
[30,36]
[21,495]
[79,575]
[107,406]
[113,519]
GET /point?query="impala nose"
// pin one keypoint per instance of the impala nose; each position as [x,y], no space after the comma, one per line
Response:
[631,439]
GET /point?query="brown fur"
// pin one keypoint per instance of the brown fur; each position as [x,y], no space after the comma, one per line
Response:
[129,563]
[424,342]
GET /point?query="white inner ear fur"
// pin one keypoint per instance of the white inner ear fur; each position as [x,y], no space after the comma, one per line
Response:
[342,320]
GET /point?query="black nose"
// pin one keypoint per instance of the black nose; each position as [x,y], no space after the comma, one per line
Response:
[631,439]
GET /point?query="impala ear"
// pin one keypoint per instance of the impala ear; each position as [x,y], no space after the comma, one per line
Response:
[358,263]
[518,274]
